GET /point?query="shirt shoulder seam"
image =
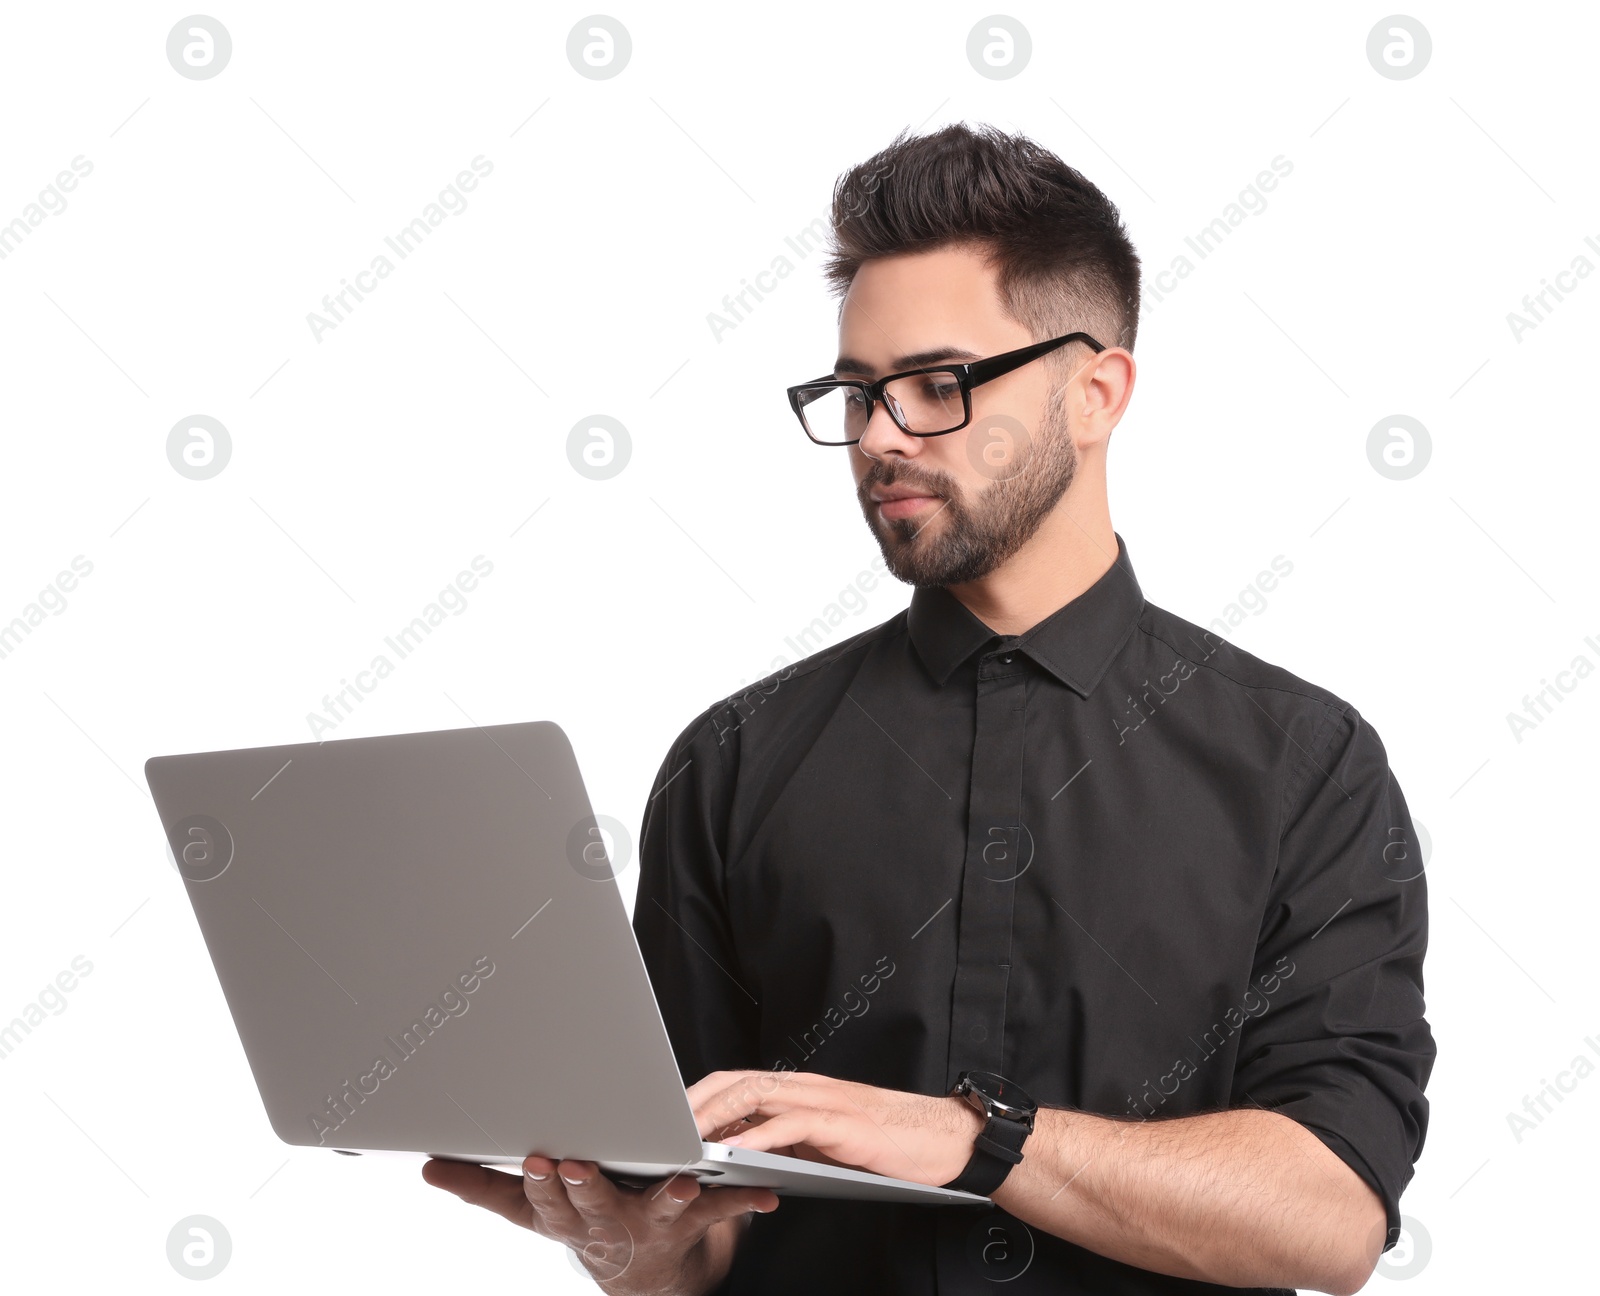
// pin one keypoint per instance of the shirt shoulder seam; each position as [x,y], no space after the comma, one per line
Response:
[1331,711]
[1307,758]
[806,666]
[1216,670]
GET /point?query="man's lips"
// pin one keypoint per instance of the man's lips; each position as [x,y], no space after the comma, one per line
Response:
[905,506]
[897,502]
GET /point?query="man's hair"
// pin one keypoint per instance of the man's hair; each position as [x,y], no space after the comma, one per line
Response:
[1064,262]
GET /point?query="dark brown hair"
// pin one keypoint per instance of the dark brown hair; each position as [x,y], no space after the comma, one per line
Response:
[1064,262]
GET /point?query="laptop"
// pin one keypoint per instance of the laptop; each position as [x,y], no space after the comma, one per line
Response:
[426,953]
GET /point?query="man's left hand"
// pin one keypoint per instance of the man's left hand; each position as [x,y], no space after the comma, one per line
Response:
[839,1122]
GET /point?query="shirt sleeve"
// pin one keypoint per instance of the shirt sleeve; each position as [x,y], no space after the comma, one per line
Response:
[1341,1045]
[680,915]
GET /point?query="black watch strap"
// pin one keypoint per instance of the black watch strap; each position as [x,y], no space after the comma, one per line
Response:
[997,1148]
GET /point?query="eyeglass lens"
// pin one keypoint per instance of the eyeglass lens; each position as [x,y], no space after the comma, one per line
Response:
[927,402]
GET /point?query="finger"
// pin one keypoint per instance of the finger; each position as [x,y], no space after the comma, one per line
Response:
[490,1189]
[715,1082]
[664,1202]
[590,1193]
[719,1117]
[795,1127]
[755,1094]
[546,1195]
[718,1133]
[720,1203]
[723,1097]
[834,1138]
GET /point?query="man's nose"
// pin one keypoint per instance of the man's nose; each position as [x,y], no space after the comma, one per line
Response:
[883,436]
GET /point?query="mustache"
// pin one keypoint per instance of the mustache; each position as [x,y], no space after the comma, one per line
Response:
[933,483]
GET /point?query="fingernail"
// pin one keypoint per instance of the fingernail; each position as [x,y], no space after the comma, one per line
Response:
[733,1140]
[573,1182]
[540,1177]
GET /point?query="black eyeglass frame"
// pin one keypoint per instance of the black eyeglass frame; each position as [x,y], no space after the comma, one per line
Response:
[972,373]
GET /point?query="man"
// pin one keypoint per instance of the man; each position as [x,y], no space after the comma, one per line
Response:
[1034,835]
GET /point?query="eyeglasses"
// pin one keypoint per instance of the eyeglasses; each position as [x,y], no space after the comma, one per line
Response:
[922,402]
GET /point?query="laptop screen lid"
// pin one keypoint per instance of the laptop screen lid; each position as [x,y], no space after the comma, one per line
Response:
[423,948]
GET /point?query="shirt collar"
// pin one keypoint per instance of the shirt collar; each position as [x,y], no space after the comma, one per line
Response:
[1075,643]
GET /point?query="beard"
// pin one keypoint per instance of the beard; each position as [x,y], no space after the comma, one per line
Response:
[979,531]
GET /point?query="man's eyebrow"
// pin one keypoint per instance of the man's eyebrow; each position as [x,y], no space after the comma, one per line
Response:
[916,360]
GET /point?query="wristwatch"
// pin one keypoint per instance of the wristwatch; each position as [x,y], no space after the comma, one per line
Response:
[1008,1113]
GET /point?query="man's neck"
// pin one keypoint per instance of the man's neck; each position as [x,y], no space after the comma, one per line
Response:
[1062,559]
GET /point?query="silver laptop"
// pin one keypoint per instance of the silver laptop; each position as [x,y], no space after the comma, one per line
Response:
[425,951]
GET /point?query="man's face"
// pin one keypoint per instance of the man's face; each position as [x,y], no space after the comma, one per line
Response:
[950,509]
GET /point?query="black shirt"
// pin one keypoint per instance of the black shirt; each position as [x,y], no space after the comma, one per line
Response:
[1115,859]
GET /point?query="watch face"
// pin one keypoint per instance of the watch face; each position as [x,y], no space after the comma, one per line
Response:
[1001,1096]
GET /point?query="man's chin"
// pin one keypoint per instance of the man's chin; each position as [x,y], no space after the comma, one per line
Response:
[913,564]
[905,545]
[907,565]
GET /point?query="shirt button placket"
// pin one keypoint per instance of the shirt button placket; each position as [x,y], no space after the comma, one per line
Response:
[998,851]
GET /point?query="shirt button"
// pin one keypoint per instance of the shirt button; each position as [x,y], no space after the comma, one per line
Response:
[1007,658]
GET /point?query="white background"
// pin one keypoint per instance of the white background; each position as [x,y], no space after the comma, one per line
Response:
[369,466]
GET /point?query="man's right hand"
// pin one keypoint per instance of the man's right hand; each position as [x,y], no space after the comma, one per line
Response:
[672,1236]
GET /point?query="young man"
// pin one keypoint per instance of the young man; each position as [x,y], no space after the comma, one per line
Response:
[1034,888]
